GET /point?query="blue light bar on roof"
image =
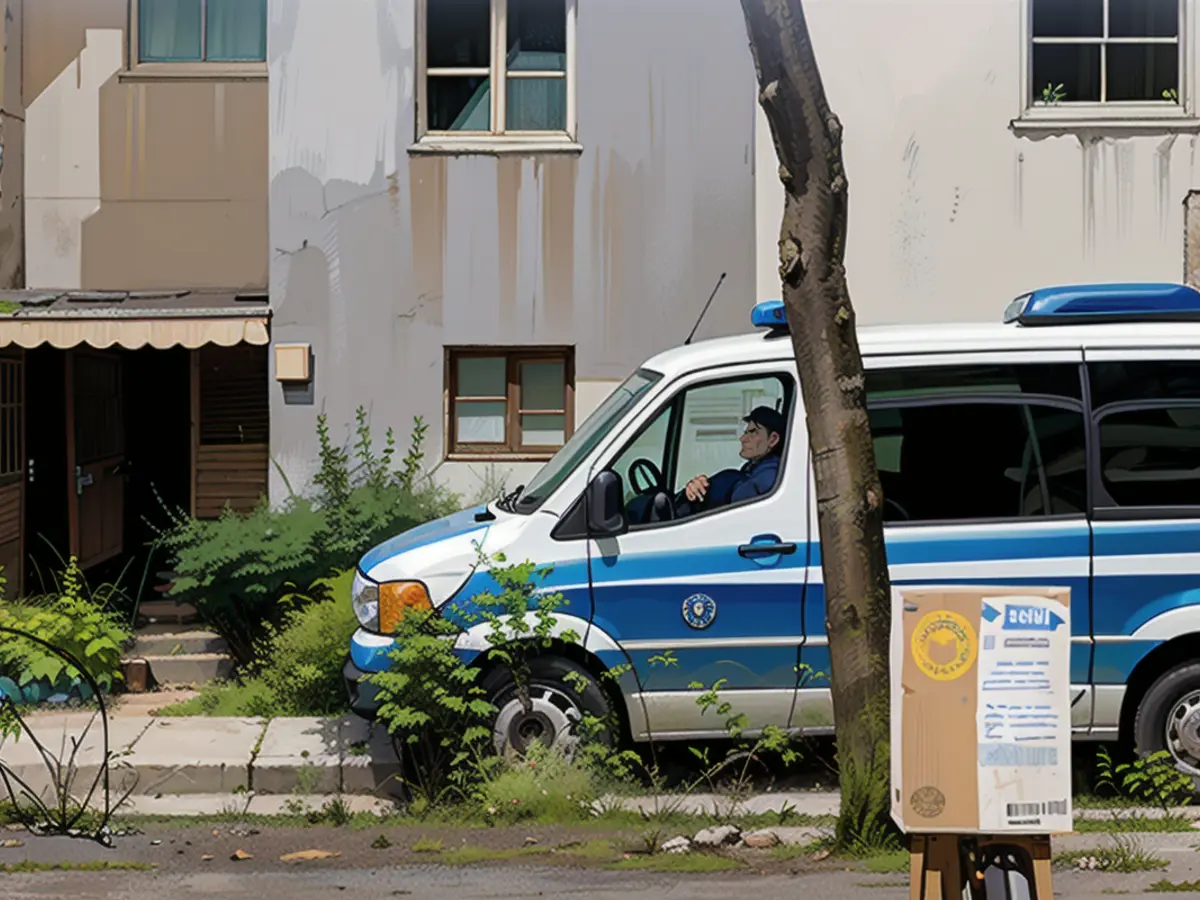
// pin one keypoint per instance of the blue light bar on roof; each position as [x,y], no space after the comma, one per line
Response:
[769,314]
[1100,303]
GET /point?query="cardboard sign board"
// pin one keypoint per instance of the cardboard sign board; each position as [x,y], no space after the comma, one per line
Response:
[981,710]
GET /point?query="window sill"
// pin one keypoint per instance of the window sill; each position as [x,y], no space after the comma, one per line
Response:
[195,72]
[494,146]
[1152,119]
[499,457]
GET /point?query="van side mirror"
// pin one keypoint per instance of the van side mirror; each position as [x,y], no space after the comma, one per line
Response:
[605,499]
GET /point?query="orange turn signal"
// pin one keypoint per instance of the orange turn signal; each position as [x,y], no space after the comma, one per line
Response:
[396,598]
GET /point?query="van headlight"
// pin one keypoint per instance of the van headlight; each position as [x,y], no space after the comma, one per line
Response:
[364,598]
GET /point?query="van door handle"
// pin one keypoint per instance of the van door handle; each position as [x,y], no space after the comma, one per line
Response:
[775,549]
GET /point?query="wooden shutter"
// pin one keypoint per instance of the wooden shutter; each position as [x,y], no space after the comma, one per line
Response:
[232,428]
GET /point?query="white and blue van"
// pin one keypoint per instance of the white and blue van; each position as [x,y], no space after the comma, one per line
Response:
[1060,446]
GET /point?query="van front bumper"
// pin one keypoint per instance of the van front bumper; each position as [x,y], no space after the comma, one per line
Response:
[364,697]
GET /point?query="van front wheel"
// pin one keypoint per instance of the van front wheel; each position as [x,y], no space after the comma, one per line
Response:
[560,702]
[1168,718]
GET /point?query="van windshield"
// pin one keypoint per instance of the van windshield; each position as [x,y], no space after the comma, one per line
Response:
[584,440]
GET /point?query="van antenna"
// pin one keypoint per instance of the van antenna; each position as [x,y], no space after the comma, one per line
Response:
[705,310]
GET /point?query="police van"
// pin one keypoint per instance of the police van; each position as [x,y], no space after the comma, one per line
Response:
[1059,446]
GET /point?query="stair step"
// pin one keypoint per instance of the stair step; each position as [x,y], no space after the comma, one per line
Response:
[179,642]
[190,668]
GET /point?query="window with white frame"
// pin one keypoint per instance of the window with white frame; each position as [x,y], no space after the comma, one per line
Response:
[1106,56]
[496,67]
[199,31]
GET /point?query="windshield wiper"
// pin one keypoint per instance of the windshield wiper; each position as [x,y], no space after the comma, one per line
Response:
[508,502]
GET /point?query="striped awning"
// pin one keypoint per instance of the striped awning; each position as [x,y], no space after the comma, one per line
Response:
[132,320]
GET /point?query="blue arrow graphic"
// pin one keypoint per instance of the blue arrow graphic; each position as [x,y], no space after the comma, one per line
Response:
[1031,618]
[990,613]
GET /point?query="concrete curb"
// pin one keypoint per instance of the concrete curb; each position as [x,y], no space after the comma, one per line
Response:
[186,756]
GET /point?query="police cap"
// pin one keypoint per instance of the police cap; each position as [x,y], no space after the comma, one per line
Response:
[768,418]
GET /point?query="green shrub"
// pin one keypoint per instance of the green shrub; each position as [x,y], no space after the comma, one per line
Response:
[298,670]
[301,662]
[72,618]
[238,568]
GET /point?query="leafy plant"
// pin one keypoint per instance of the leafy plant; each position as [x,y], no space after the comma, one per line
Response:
[1126,855]
[298,665]
[1171,94]
[1152,779]
[1053,93]
[72,618]
[238,569]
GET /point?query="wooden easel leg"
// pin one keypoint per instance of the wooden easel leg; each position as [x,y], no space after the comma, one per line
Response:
[916,870]
[1040,852]
[935,872]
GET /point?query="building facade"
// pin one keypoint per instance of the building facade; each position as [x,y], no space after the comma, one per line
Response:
[994,146]
[487,213]
[134,321]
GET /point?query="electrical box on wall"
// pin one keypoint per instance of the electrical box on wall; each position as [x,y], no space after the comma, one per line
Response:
[292,362]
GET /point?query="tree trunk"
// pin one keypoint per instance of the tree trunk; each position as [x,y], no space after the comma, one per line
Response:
[812,245]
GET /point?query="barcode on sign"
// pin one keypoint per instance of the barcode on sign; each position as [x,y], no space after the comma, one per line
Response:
[1022,810]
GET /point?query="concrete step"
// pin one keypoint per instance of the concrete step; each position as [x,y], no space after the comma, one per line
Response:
[190,668]
[174,643]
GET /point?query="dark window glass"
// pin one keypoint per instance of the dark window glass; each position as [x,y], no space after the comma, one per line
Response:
[1142,72]
[1151,457]
[1055,379]
[1068,18]
[460,33]
[1115,382]
[1143,18]
[1066,73]
[966,461]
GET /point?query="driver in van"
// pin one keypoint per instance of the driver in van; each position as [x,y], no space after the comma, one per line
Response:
[762,448]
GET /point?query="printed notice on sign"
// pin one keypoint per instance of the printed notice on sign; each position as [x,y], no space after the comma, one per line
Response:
[1024,715]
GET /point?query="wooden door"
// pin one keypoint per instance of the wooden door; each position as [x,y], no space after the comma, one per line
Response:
[97,459]
[12,469]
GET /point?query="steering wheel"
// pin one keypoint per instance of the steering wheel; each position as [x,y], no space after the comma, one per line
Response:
[648,470]
[888,501]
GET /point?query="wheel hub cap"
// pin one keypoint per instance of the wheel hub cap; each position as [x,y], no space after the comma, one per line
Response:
[1183,732]
[550,718]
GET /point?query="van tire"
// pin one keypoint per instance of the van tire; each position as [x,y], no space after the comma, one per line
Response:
[561,692]
[1175,691]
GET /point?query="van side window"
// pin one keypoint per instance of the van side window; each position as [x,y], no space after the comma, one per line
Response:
[1148,432]
[1123,382]
[697,433]
[1044,379]
[1151,457]
[978,460]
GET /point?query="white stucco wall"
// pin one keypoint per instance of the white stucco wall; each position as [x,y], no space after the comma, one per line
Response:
[952,213]
[62,163]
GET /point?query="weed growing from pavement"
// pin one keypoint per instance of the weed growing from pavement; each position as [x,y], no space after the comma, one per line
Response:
[30,866]
[1119,824]
[1174,887]
[426,845]
[1126,855]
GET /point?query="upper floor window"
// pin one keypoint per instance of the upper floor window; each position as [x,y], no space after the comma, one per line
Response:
[200,31]
[1105,59]
[492,68]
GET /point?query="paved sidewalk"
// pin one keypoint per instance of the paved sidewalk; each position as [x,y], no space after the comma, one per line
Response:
[208,755]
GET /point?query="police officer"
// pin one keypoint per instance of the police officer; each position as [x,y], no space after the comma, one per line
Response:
[762,447]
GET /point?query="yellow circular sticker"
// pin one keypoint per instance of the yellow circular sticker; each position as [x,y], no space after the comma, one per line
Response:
[944,645]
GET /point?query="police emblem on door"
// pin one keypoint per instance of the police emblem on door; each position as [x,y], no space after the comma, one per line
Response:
[699,610]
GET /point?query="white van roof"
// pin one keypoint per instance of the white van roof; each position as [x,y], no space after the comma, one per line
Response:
[1131,315]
